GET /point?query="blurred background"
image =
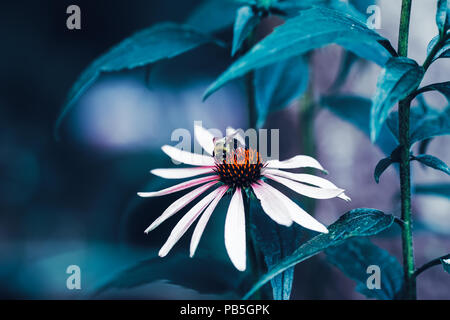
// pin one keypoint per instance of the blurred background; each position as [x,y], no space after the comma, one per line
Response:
[74,202]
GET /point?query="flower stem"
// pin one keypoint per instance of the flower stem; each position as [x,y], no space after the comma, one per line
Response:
[432,263]
[251,105]
[405,170]
[250,87]
[307,110]
[256,263]
[254,256]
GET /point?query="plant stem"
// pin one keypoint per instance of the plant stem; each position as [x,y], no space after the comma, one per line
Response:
[250,88]
[255,266]
[256,263]
[430,264]
[405,170]
[251,105]
[307,112]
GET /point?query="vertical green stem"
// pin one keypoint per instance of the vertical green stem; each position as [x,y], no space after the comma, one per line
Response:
[251,106]
[405,170]
[256,263]
[307,112]
[250,87]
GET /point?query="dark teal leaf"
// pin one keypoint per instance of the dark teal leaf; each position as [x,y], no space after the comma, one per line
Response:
[362,5]
[264,4]
[425,123]
[162,41]
[355,8]
[348,8]
[436,123]
[275,242]
[442,87]
[355,223]
[382,165]
[356,255]
[291,8]
[432,162]
[440,190]
[423,146]
[347,62]
[379,52]
[311,29]
[278,84]
[400,77]
[246,21]
[443,16]
[213,15]
[444,52]
[446,264]
[204,275]
[356,110]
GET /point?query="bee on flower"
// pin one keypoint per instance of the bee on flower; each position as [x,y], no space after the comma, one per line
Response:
[231,168]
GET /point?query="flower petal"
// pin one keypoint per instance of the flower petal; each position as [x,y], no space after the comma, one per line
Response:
[180,173]
[295,162]
[233,133]
[273,208]
[303,189]
[185,222]
[201,224]
[235,241]
[307,178]
[187,157]
[204,138]
[178,187]
[295,212]
[178,205]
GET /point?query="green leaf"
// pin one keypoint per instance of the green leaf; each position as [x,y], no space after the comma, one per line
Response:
[436,123]
[356,110]
[440,190]
[432,162]
[423,146]
[246,21]
[444,52]
[291,8]
[355,256]
[443,16]
[425,123]
[355,223]
[400,77]
[278,84]
[275,242]
[446,264]
[162,41]
[213,15]
[311,29]
[348,8]
[347,62]
[362,5]
[265,4]
[382,165]
[442,87]
[204,275]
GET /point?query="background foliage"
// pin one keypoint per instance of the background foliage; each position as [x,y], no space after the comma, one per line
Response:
[73,201]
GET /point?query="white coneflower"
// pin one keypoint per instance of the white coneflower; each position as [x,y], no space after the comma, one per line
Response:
[241,170]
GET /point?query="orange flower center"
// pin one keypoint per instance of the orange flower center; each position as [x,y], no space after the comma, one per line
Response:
[240,168]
